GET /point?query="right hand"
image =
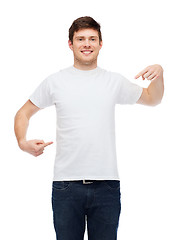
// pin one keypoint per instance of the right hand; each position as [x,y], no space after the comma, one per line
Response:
[34,147]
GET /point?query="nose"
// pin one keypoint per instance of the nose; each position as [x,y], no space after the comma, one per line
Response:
[87,43]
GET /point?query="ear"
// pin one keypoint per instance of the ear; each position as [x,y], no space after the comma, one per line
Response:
[101,44]
[70,44]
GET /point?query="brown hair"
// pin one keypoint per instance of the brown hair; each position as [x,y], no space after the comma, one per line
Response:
[82,23]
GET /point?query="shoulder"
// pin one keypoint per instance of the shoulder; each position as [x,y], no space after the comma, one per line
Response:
[55,77]
[112,74]
[115,75]
[116,78]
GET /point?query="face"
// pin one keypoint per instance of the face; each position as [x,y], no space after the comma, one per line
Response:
[85,48]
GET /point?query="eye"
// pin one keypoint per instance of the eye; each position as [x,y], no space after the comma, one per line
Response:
[93,39]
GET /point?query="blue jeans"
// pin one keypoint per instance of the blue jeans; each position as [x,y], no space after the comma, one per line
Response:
[75,203]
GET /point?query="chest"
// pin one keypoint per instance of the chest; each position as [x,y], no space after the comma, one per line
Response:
[83,98]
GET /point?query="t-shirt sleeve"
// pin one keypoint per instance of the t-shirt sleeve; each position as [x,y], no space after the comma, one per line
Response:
[127,91]
[42,97]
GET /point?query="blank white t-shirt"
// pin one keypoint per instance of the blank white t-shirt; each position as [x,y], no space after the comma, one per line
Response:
[85,110]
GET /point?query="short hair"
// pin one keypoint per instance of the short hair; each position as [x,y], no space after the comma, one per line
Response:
[83,23]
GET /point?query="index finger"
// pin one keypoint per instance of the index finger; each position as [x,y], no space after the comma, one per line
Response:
[48,143]
[141,73]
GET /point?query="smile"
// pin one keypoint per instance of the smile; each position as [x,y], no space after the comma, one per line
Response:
[86,52]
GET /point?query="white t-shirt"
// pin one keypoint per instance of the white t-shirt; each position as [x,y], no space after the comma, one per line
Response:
[85,110]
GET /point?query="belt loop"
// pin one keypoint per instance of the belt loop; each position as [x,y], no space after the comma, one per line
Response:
[86,182]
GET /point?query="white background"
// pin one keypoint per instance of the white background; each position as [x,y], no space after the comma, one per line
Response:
[136,34]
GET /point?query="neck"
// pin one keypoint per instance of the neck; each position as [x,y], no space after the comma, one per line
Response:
[85,66]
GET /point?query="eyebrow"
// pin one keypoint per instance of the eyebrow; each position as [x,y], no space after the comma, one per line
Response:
[90,37]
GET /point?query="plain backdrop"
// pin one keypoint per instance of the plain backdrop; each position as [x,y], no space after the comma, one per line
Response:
[136,34]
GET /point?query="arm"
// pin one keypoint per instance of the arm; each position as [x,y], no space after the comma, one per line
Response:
[154,93]
[21,122]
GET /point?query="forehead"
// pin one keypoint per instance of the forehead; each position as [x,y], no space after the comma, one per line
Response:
[86,32]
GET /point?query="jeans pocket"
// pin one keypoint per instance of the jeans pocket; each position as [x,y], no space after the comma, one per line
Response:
[60,185]
[112,184]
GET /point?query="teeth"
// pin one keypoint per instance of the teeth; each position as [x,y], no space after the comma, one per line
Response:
[86,51]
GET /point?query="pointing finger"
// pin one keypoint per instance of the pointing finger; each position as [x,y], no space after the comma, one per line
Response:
[48,143]
[141,73]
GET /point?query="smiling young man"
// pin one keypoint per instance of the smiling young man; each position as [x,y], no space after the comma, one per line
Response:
[86,181]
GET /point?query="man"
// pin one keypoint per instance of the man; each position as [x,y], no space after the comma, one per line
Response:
[86,180]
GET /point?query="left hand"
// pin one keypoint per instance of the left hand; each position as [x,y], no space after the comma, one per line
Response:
[151,72]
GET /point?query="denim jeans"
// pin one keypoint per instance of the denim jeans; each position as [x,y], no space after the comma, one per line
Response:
[74,204]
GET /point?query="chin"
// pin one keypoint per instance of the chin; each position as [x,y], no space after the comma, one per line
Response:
[85,62]
[89,62]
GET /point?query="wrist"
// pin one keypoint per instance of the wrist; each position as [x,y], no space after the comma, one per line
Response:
[21,143]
